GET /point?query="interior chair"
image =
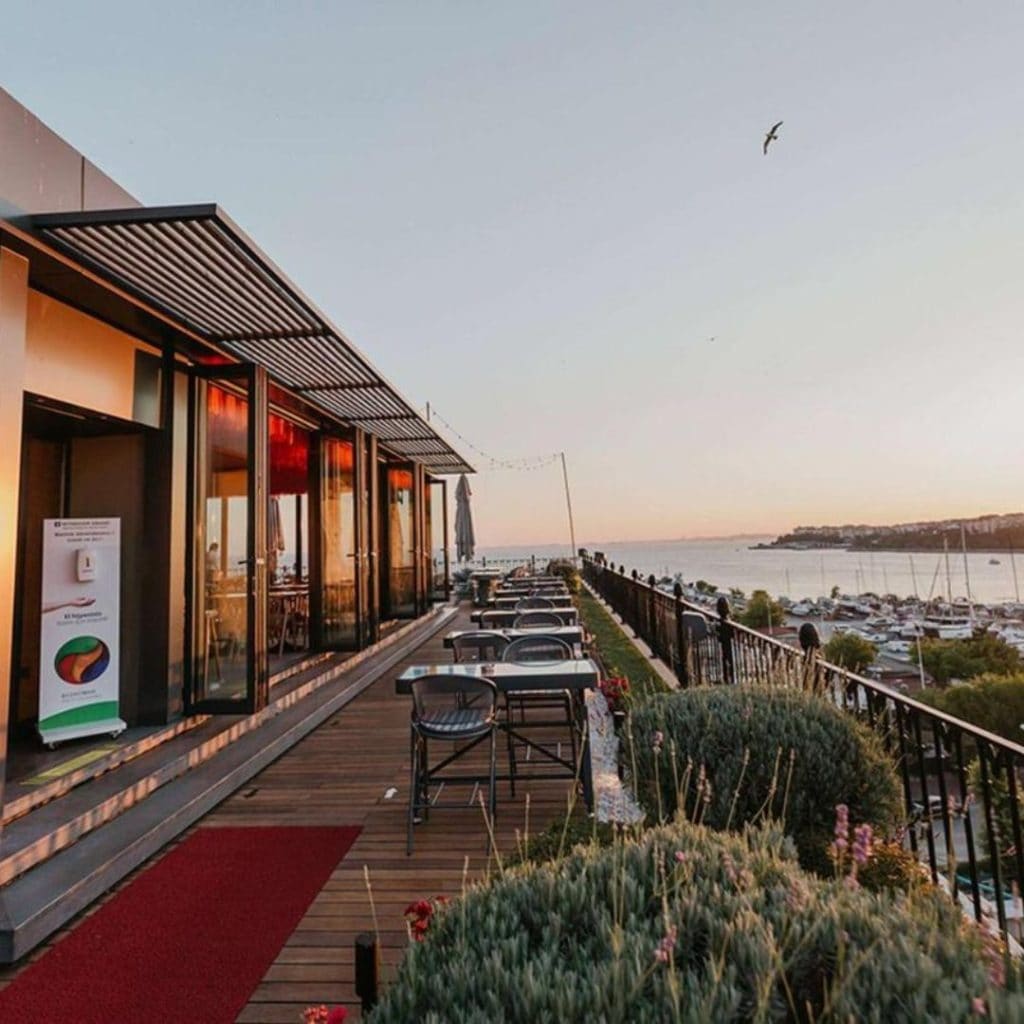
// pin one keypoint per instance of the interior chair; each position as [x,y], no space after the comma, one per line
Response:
[452,709]
[527,620]
[482,646]
[535,650]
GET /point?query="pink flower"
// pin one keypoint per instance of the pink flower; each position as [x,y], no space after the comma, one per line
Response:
[680,856]
[862,837]
[978,1007]
[657,740]
[664,951]
[842,830]
[314,1015]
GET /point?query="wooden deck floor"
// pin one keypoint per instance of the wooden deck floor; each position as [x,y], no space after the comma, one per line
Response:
[338,775]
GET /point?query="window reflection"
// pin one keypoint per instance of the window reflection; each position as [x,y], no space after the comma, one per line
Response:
[288,540]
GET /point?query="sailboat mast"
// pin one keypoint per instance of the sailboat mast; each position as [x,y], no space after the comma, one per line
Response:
[949,584]
[913,575]
[967,573]
[1016,586]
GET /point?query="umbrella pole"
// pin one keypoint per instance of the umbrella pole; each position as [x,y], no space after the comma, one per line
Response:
[568,505]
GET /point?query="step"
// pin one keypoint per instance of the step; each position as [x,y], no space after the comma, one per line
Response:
[56,865]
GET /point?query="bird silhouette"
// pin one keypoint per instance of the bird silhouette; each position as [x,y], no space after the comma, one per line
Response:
[772,135]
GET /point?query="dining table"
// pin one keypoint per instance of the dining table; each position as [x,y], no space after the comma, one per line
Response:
[572,635]
[501,618]
[502,600]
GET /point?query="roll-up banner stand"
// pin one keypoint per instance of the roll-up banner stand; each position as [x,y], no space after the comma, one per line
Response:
[80,635]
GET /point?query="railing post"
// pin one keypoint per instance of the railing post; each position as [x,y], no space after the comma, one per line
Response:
[682,646]
[652,617]
[810,644]
[725,633]
[367,970]
[635,605]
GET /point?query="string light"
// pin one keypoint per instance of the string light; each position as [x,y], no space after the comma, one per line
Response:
[525,463]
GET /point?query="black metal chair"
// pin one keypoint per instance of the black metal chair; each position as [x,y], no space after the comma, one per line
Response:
[536,650]
[451,709]
[481,646]
[527,620]
[524,604]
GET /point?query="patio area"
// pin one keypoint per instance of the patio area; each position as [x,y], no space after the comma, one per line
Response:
[353,770]
[340,775]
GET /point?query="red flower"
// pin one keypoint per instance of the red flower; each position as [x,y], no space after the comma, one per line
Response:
[421,908]
[337,1015]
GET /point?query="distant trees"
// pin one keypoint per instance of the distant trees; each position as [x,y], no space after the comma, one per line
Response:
[703,587]
[990,701]
[849,651]
[762,611]
[945,660]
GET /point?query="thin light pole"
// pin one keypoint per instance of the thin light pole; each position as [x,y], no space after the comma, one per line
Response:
[568,505]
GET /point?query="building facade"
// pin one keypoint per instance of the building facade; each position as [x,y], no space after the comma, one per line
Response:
[272,498]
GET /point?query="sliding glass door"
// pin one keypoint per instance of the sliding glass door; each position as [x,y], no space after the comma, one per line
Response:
[340,561]
[227,606]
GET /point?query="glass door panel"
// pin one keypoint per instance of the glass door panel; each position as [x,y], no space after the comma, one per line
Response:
[288,543]
[339,554]
[229,571]
[401,542]
[437,531]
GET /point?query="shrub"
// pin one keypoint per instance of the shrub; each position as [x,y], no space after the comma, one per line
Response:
[562,837]
[686,924]
[991,701]
[945,660]
[737,754]
[892,867]
[569,573]
[762,611]
[849,651]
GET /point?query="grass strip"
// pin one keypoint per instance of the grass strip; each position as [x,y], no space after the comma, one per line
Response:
[616,651]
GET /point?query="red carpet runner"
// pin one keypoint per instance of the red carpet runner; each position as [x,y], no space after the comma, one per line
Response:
[189,939]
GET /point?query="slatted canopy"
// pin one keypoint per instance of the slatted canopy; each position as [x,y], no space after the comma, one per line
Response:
[196,266]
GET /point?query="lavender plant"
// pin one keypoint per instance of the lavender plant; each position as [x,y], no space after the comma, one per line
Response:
[731,755]
[688,924]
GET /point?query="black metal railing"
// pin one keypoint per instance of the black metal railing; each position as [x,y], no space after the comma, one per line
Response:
[961,784]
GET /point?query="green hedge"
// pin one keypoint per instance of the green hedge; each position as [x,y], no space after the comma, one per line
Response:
[766,753]
[743,933]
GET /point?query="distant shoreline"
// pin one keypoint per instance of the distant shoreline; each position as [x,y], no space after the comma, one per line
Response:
[887,549]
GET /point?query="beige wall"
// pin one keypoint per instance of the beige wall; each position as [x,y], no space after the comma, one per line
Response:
[41,173]
[13,289]
[74,358]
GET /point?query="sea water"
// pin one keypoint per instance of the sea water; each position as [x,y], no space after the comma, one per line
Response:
[734,562]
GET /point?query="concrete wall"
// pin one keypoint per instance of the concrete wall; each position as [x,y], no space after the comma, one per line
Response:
[41,173]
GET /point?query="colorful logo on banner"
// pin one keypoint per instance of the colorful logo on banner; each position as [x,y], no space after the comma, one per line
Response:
[82,660]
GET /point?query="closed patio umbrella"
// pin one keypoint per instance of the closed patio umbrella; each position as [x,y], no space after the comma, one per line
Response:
[465,542]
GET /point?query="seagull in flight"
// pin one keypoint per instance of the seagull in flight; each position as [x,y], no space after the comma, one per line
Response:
[772,136]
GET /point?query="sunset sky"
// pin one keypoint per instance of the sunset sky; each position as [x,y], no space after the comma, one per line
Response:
[537,215]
